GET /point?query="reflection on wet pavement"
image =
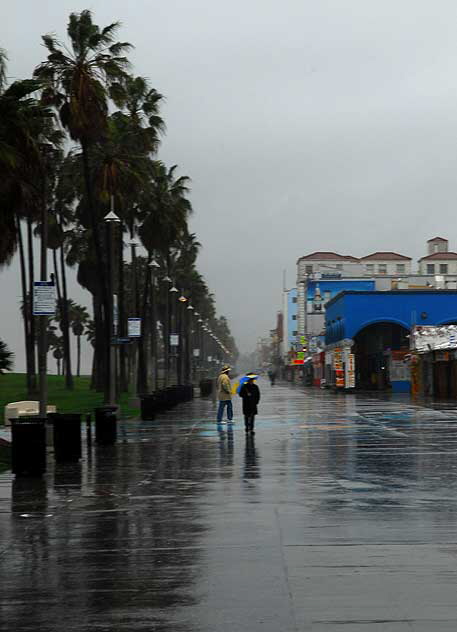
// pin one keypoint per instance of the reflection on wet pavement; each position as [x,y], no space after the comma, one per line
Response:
[339,515]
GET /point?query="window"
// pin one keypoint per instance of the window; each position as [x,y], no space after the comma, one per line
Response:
[382,268]
[308,269]
[401,268]
[295,333]
[430,268]
[294,299]
[370,268]
[327,295]
[443,268]
[294,317]
[339,266]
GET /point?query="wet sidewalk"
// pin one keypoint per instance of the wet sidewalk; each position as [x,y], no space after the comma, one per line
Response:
[340,515]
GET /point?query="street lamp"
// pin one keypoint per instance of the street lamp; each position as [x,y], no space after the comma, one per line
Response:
[111,219]
[154,267]
[173,290]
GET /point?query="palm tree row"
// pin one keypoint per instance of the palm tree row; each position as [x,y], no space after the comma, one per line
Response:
[84,100]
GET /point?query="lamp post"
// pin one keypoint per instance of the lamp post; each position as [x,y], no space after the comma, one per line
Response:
[153,268]
[190,345]
[182,339]
[172,291]
[166,331]
[134,353]
[111,219]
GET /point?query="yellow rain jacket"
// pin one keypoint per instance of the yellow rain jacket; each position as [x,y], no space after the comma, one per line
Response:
[224,388]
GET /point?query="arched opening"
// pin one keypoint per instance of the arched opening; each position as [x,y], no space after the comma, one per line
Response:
[379,351]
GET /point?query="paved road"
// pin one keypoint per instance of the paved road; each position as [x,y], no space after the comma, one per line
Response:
[340,516]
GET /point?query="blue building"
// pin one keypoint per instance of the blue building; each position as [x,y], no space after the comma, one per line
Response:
[292,315]
[317,294]
[367,333]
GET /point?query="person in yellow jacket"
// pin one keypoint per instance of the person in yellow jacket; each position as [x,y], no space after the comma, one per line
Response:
[224,394]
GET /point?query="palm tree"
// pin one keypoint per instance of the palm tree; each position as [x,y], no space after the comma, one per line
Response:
[79,317]
[27,135]
[163,216]
[6,356]
[78,80]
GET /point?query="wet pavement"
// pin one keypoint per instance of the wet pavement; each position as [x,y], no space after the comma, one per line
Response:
[339,515]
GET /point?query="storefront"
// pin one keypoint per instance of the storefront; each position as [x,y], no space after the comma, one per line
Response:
[319,368]
[436,352]
[368,340]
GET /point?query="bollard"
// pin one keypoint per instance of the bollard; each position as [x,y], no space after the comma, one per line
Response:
[67,437]
[28,451]
[105,425]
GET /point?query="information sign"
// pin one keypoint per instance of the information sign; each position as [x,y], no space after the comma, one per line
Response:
[174,340]
[44,298]
[134,327]
[196,353]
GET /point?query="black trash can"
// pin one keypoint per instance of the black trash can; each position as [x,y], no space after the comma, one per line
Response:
[105,425]
[28,449]
[148,406]
[67,436]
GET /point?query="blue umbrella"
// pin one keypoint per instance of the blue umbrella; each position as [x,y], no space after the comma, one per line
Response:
[246,378]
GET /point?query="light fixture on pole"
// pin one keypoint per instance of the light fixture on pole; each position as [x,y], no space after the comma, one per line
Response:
[154,267]
[167,279]
[173,289]
[111,219]
[190,308]
[182,299]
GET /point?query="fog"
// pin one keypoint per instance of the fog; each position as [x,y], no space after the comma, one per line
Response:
[304,126]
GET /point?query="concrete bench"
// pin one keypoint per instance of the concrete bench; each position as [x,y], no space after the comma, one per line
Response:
[22,409]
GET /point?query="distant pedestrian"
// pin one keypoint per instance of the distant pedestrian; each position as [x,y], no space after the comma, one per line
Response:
[250,394]
[224,394]
[272,376]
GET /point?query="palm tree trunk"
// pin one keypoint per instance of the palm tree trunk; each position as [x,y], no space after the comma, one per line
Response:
[123,377]
[142,342]
[32,328]
[98,371]
[57,279]
[66,324]
[43,339]
[78,366]
[104,332]
[166,329]
[25,309]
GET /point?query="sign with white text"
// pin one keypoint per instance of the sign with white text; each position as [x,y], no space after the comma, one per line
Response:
[174,340]
[44,298]
[134,327]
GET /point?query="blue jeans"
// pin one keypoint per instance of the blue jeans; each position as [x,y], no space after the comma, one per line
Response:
[220,411]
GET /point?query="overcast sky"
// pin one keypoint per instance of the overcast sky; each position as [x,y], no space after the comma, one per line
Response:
[305,125]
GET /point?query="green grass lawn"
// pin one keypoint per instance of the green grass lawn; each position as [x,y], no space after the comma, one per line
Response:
[80,400]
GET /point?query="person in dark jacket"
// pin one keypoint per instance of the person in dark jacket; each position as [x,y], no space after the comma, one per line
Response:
[250,394]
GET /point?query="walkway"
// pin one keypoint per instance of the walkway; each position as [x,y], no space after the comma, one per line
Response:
[340,516]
